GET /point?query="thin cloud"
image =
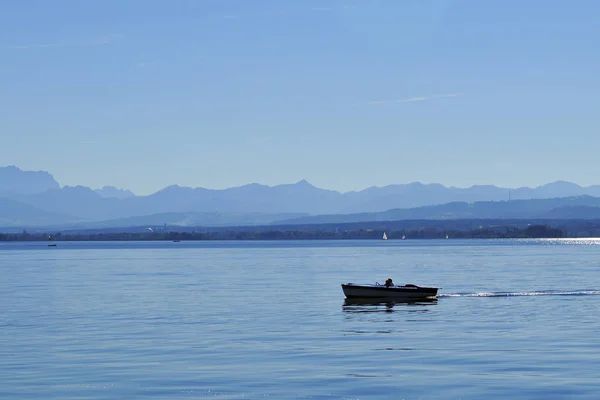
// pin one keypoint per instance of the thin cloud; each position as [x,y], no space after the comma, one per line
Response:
[415,99]
[99,41]
[293,11]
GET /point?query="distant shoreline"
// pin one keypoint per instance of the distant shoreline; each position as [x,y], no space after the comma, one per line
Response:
[530,232]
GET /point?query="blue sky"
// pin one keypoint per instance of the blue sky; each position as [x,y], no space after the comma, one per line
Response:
[344,93]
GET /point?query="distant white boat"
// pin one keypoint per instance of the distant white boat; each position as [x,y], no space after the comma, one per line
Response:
[403,237]
[446,236]
[384,236]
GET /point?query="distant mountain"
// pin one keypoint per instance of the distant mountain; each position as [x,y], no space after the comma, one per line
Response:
[78,201]
[190,219]
[111,192]
[41,191]
[14,181]
[573,212]
[293,199]
[569,207]
[14,213]
[417,194]
[301,197]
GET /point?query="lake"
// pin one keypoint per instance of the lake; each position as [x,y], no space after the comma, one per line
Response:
[247,320]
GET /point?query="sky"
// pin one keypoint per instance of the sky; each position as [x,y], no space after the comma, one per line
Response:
[347,94]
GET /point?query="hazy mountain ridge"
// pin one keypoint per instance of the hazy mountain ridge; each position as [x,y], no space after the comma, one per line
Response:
[14,181]
[576,207]
[80,203]
[190,219]
[15,213]
[417,194]
[111,192]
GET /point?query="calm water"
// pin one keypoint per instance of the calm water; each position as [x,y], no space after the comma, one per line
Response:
[164,320]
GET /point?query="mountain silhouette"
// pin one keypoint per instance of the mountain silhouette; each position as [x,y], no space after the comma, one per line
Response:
[243,204]
[14,213]
[111,192]
[578,207]
[14,181]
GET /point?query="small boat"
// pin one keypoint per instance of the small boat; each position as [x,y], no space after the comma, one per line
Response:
[384,236]
[52,245]
[379,291]
[403,237]
[446,236]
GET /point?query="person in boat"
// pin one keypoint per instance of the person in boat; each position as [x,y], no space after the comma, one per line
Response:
[388,282]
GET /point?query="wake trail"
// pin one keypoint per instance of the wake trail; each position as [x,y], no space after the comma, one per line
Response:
[519,294]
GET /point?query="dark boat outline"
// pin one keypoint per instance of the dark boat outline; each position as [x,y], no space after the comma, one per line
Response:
[408,291]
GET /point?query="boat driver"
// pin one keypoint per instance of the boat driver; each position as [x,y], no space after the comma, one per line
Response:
[388,282]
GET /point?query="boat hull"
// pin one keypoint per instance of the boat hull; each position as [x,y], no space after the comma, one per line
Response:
[394,292]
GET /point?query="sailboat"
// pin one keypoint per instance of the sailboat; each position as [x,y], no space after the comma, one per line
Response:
[403,237]
[446,236]
[384,236]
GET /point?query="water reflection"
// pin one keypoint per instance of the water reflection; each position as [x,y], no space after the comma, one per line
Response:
[367,305]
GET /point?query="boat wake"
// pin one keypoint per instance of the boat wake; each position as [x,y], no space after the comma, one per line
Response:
[519,294]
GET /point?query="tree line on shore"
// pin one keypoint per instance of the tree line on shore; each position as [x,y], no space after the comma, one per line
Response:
[532,231]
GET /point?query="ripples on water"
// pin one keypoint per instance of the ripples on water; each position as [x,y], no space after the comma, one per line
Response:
[514,319]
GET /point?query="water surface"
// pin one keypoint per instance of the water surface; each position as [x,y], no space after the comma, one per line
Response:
[163,320]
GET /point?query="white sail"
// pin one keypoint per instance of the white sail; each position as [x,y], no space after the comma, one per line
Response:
[384,236]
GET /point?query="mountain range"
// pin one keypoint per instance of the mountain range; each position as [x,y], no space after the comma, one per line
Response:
[576,207]
[35,199]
